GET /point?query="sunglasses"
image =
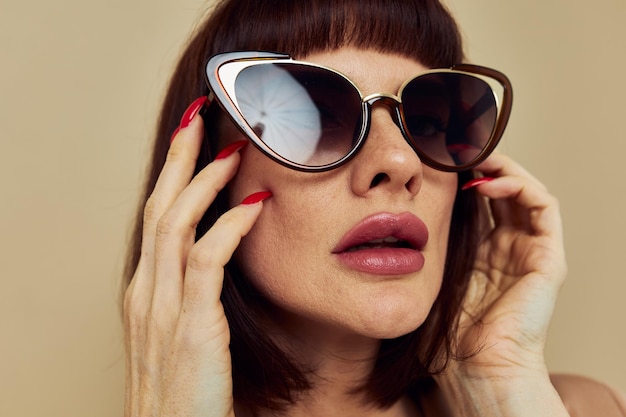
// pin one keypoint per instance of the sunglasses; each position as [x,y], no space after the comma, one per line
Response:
[312,118]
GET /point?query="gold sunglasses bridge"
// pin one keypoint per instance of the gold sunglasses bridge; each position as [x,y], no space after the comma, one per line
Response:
[391,102]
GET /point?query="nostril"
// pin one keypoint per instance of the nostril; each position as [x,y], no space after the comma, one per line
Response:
[380,177]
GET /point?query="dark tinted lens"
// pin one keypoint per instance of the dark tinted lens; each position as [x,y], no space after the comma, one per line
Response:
[308,115]
[450,116]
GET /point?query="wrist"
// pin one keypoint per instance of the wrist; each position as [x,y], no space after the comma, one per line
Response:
[521,394]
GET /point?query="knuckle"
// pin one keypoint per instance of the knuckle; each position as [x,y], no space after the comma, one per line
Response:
[176,152]
[214,334]
[200,260]
[166,226]
[134,309]
[230,220]
[152,210]
[136,299]
[134,318]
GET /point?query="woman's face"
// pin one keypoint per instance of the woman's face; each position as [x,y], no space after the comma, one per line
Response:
[316,250]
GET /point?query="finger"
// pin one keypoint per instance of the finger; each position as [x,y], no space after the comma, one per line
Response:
[176,232]
[177,171]
[138,296]
[506,211]
[175,235]
[205,267]
[500,165]
[178,168]
[131,373]
[136,306]
[520,200]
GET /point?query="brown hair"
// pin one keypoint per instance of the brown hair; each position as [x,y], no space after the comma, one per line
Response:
[264,375]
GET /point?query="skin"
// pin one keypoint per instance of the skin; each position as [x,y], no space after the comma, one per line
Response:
[305,219]
[177,337]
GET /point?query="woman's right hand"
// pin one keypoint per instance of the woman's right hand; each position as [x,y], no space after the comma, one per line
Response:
[177,336]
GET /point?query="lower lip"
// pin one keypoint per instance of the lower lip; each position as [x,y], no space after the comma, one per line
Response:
[384,261]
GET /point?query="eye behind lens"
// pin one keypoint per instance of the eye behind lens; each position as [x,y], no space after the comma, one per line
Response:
[449,116]
[310,115]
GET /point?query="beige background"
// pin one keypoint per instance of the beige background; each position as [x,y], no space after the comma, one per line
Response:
[80,84]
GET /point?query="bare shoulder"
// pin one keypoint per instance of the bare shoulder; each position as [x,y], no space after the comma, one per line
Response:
[586,397]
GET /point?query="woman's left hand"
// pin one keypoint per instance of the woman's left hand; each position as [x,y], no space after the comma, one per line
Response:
[519,270]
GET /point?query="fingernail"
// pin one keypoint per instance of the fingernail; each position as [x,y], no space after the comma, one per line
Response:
[230,149]
[174,134]
[257,197]
[192,110]
[475,182]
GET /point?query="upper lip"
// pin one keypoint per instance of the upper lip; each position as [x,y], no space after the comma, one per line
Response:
[405,227]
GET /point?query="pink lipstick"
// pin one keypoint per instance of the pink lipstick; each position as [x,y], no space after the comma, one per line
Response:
[384,244]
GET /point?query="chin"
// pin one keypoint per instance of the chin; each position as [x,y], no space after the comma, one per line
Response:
[387,334]
[394,306]
[392,320]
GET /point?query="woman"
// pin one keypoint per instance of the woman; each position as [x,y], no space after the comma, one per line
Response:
[337,258]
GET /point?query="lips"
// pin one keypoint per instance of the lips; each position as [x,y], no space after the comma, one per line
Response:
[384,244]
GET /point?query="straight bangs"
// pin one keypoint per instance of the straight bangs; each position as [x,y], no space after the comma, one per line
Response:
[419,29]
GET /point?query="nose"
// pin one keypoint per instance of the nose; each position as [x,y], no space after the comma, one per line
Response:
[386,163]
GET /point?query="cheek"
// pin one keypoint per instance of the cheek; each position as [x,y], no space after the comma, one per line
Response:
[287,257]
[255,173]
[438,195]
[291,233]
[283,258]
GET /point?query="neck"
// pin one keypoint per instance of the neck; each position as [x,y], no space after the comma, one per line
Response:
[341,362]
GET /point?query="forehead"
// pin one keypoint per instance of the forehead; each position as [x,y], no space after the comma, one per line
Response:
[372,71]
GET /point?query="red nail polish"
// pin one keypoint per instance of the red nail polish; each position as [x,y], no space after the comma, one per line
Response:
[475,182]
[231,149]
[192,110]
[257,197]
[174,134]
